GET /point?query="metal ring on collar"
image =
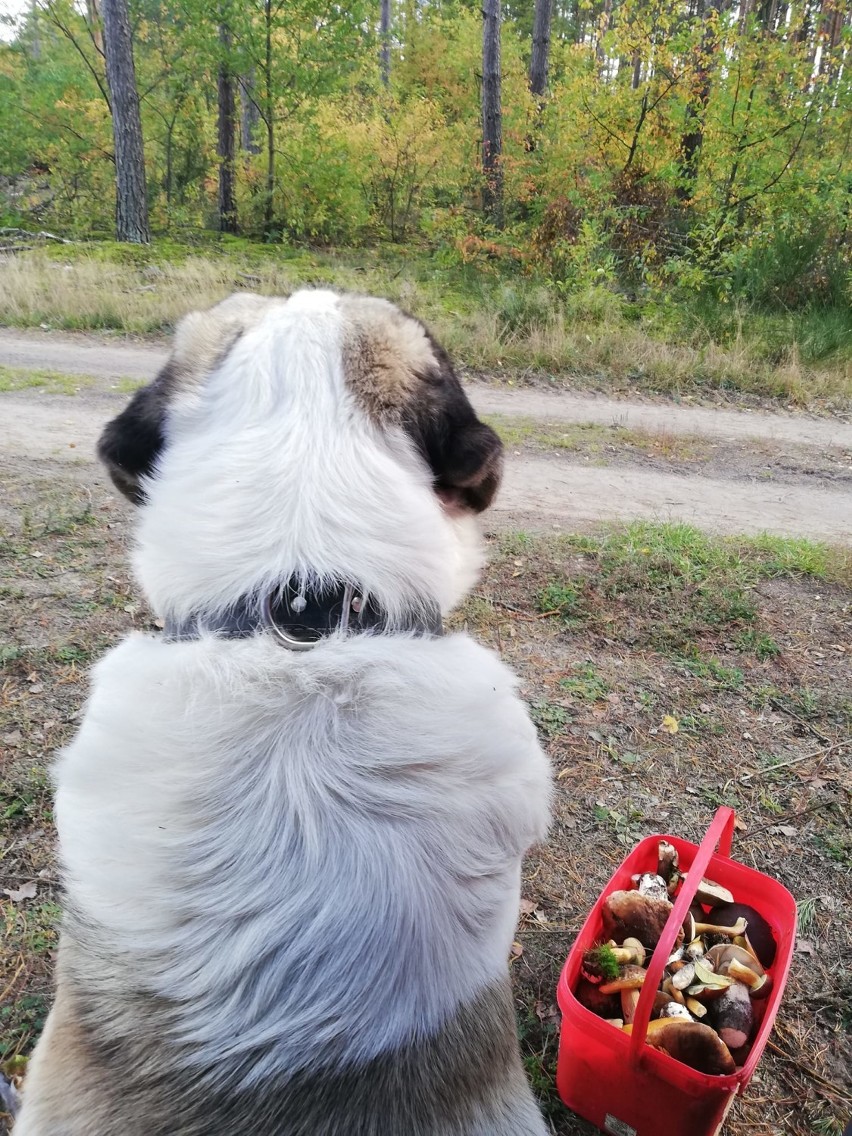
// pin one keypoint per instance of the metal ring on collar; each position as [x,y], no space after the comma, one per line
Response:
[288,641]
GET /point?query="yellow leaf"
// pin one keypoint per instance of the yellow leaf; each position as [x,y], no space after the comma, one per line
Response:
[670,724]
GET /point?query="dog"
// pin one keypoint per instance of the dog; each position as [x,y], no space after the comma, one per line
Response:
[291,824]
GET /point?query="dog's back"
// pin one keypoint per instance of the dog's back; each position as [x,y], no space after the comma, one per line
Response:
[292,882]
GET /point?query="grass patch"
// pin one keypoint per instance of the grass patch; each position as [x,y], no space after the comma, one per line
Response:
[595,439]
[671,584]
[51,382]
[586,684]
[493,324]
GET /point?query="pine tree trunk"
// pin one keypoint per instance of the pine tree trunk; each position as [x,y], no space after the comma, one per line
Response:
[492,113]
[540,46]
[226,136]
[696,108]
[384,37]
[131,212]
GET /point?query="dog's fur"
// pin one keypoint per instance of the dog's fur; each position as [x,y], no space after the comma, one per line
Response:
[293,878]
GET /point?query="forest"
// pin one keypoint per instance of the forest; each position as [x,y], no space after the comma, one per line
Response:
[665,151]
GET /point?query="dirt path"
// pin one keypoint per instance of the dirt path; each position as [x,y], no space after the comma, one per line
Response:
[542,490]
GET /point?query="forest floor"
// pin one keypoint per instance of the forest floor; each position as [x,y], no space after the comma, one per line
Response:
[743,641]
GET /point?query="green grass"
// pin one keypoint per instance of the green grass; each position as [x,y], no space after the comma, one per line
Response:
[585,683]
[51,382]
[675,584]
[594,438]
[504,323]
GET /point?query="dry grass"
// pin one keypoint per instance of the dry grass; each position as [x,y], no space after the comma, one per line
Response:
[502,329]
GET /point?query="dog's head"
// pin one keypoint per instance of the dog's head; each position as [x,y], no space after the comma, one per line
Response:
[322,434]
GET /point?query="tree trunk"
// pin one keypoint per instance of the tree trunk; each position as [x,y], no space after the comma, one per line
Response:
[696,108]
[540,46]
[269,116]
[249,117]
[384,37]
[131,212]
[226,134]
[492,113]
[93,18]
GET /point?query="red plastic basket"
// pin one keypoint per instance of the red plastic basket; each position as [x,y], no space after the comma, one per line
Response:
[613,1079]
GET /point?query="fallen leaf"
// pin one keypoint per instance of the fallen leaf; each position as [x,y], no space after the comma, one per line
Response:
[669,724]
[517,950]
[25,891]
[804,947]
[785,830]
[528,906]
[740,825]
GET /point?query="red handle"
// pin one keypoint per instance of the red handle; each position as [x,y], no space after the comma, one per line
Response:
[720,832]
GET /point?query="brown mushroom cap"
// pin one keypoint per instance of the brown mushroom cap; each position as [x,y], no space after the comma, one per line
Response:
[604,1005]
[757,929]
[693,1043]
[629,914]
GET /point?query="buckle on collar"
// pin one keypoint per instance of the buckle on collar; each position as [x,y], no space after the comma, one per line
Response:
[351,603]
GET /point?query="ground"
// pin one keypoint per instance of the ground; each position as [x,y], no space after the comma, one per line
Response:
[743,642]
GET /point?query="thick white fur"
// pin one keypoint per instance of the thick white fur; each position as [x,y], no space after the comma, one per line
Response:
[230,811]
[315,857]
[275,469]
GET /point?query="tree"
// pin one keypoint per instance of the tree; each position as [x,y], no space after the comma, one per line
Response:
[131,202]
[705,52]
[540,46]
[384,36]
[492,112]
[226,123]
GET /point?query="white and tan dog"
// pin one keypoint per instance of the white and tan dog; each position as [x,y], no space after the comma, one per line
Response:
[291,826]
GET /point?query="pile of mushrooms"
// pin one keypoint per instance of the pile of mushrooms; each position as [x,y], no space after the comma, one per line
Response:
[704,1011]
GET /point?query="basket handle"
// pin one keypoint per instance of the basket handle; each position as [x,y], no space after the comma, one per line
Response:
[721,831]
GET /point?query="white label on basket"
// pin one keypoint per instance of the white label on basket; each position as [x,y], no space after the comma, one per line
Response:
[617,1127]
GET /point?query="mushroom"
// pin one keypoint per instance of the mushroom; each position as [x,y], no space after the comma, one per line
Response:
[738,928]
[629,986]
[649,883]
[696,1008]
[672,993]
[684,977]
[707,983]
[711,894]
[602,962]
[675,1010]
[693,1043]
[760,935]
[732,1016]
[695,949]
[742,966]
[629,914]
[667,864]
[631,978]
[604,1005]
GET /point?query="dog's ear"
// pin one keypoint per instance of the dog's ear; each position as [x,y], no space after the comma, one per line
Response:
[465,455]
[130,444]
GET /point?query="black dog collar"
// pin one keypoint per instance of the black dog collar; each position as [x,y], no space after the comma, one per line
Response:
[302,616]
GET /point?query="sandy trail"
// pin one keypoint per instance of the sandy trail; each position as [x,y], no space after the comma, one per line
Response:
[541,490]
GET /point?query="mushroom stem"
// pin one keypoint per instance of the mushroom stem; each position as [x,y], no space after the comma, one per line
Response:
[738,928]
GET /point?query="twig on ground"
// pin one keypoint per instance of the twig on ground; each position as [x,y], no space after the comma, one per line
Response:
[796,760]
[808,1071]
